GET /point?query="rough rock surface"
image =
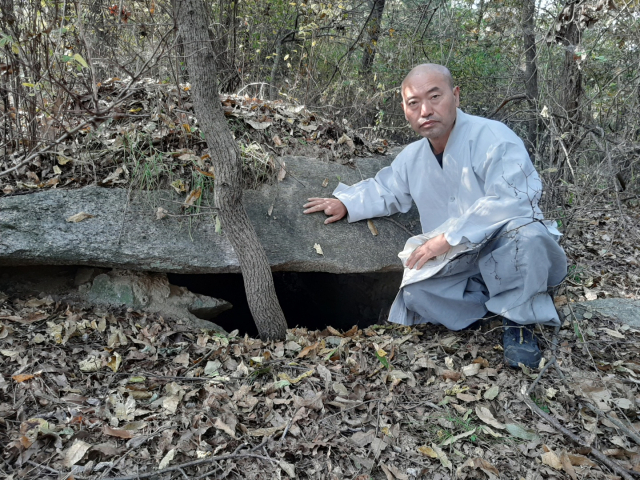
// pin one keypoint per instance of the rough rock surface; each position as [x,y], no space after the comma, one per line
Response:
[141,291]
[151,292]
[621,310]
[125,233]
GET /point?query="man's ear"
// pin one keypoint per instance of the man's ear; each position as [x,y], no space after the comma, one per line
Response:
[456,94]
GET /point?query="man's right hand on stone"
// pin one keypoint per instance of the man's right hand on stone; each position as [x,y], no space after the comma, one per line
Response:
[332,207]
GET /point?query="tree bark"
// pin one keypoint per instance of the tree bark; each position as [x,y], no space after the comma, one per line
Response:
[571,73]
[373,32]
[258,280]
[531,70]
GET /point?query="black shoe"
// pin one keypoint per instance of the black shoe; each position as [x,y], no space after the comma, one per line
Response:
[520,345]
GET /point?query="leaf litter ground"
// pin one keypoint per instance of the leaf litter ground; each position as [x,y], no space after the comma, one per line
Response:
[152,140]
[86,393]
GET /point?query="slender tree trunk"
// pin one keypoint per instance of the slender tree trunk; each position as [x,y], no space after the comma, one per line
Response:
[258,280]
[571,73]
[531,70]
[273,89]
[373,32]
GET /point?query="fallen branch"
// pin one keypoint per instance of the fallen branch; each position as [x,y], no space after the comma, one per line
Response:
[624,473]
[179,468]
[634,436]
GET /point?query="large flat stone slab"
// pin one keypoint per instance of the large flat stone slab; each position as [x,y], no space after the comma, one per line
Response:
[621,310]
[126,234]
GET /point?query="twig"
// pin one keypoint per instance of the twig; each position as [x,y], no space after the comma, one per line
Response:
[31,157]
[615,421]
[203,359]
[44,467]
[520,96]
[535,382]
[286,430]
[192,464]
[573,437]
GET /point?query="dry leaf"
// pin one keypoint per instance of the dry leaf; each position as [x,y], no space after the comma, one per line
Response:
[487,417]
[206,174]
[372,228]
[288,468]
[259,125]
[220,425]
[161,213]
[307,350]
[444,460]
[325,182]
[455,438]
[265,432]
[78,217]
[282,172]
[613,333]
[164,463]
[428,451]
[465,397]
[567,466]
[193,196]
[90,364]
[551,459]
[581,461]
[114,361]
[75,453]
[471,370]
[492,393]
[318,248]
[117,432]
[23,377]
[179,186]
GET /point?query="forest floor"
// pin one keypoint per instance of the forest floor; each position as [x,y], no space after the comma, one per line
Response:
[86,393]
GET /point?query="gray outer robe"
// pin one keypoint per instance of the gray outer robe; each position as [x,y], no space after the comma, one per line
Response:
[486,180]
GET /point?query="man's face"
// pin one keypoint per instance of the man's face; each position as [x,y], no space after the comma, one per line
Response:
[429,105]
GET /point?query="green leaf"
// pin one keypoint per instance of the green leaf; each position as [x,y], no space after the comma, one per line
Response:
[66,58]
[78,58]
[383,360]
[5,39]
[521,433]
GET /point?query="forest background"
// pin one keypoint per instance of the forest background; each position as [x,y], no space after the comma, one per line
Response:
[565,76]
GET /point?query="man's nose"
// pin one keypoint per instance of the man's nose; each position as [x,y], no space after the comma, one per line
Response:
[426,110]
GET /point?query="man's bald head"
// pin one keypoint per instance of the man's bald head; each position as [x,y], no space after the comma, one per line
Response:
[430,103]
[427,69]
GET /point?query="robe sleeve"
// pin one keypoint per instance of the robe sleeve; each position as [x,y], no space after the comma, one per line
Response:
[385,194]
[512,189]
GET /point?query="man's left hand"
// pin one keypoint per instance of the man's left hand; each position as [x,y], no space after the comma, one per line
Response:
[428,250]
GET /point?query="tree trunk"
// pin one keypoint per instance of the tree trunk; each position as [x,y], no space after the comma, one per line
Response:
[373,32]
[571,73]
[258,280]
[531,70]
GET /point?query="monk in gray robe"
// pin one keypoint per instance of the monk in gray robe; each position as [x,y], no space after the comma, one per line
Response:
[486,248]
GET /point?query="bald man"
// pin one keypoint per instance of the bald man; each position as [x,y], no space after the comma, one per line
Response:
[486,249]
